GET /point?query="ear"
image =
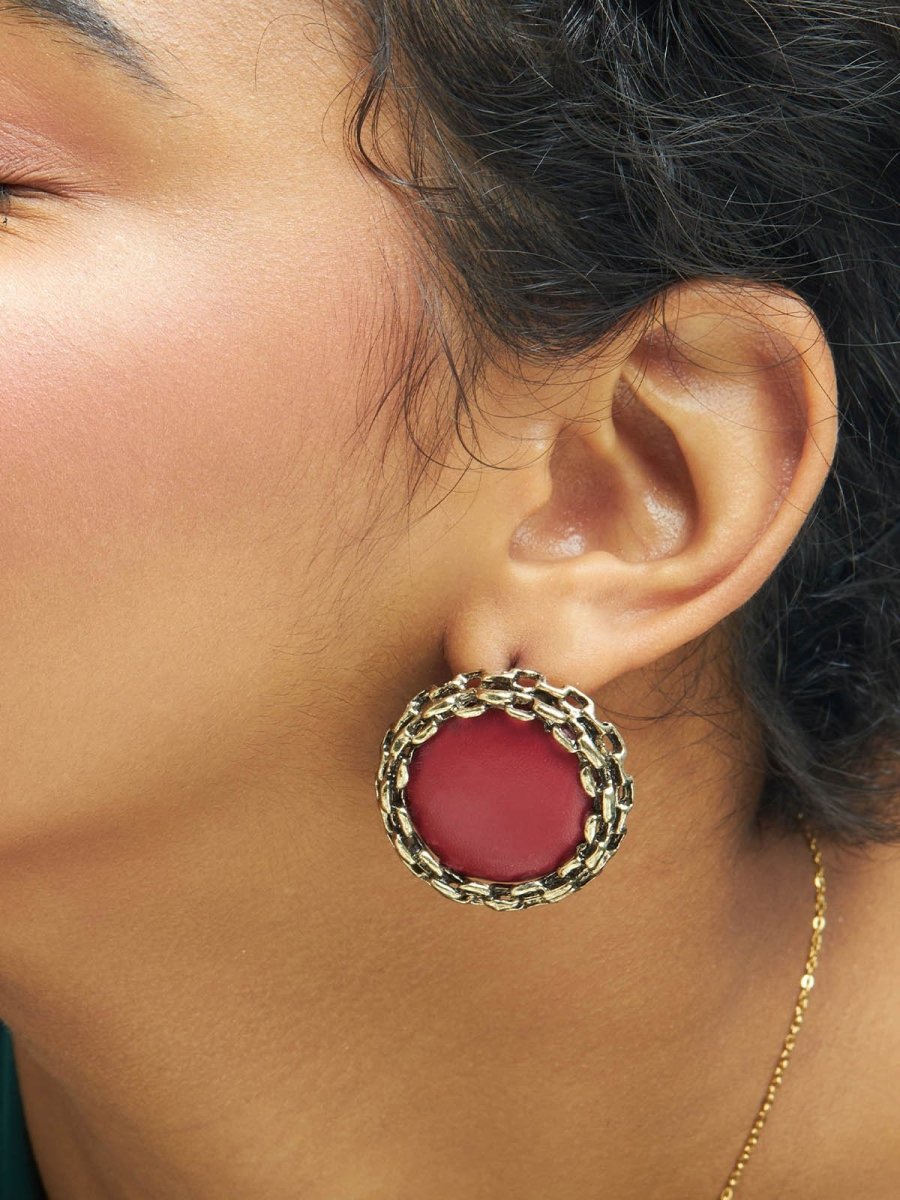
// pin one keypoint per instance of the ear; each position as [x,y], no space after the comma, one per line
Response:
[663,486]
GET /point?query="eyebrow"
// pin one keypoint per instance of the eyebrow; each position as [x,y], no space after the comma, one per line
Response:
[86,22]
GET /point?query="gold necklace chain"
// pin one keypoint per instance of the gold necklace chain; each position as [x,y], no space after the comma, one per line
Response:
[806,985]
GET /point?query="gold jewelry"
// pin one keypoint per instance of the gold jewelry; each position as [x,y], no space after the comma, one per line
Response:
[591,754]
[598,752]
[806,986]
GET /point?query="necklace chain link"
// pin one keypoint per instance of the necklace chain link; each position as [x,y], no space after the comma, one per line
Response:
[806,985]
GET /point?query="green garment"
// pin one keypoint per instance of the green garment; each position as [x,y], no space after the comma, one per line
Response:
[19,1178]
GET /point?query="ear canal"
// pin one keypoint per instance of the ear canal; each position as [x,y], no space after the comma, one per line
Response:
[634,500]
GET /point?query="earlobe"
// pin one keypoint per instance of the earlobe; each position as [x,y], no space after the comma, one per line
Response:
[669,512]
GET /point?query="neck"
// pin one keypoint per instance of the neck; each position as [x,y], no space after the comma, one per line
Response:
[218,1006]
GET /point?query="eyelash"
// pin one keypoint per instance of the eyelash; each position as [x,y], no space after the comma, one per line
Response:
[5,202]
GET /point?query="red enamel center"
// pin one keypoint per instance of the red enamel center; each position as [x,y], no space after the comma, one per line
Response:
[497,798]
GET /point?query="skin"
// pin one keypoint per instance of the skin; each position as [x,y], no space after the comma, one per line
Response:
[217,596]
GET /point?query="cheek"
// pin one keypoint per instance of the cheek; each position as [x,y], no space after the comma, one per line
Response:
[156,388]
[174,425]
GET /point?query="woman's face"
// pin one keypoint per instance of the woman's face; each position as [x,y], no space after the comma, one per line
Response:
[200,560]
[216,596]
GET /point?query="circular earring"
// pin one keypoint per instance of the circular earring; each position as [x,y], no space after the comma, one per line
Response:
[522,802]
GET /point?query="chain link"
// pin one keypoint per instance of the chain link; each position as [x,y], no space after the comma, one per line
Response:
[806,985]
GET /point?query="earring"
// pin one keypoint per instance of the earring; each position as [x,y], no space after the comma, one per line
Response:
[522,802]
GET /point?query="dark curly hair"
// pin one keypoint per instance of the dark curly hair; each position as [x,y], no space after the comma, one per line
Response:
[570,161]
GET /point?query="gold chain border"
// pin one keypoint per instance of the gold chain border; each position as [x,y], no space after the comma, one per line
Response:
[569,716]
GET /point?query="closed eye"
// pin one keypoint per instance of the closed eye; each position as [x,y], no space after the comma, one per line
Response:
[11,194]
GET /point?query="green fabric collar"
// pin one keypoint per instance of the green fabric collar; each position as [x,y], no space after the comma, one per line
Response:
[19,1177]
